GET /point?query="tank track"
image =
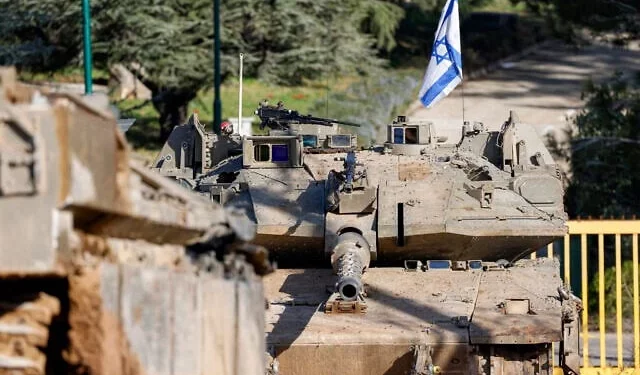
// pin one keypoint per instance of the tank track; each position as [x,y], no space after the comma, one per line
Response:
[25,321]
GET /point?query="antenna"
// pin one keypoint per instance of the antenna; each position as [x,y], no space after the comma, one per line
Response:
[462,77]
[462,88]
[240,129]
[217,104]
[329,34]
[86,35]
[327,97]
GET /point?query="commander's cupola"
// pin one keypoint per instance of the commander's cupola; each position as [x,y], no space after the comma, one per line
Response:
[410,137]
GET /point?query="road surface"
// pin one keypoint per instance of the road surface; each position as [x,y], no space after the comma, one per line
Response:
[544,87]
[611,349]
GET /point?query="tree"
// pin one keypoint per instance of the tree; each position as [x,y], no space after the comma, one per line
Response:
[605,148]
[288,41]
[610,292]
[168,43]
[618,16]
[46,36]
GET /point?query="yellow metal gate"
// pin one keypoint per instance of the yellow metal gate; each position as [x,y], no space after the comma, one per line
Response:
[604,242]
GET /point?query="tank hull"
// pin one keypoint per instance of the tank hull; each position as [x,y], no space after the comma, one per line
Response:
[454,314]
[292,250]
[461,247]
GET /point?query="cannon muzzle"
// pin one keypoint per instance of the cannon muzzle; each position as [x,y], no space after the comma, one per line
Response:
[350,258]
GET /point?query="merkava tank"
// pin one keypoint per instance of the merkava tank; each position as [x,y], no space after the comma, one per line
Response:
[106,267]
[406,258]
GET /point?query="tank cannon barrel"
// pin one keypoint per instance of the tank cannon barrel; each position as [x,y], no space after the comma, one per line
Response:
[350,258]
[280,118]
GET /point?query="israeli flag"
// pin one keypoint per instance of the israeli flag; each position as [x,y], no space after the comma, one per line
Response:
[444,72]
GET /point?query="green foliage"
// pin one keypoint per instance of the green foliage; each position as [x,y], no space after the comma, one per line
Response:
[605,150]
[300,98]
[168,43]
[505,6]
[381,19]
[486,37]
[604,179]
[24,41]
[143,135]
[435,6]
[610,292]
[372,102]
[621,16]
[288,41]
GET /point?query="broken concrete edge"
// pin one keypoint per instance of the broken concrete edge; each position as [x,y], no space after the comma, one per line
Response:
[133,320]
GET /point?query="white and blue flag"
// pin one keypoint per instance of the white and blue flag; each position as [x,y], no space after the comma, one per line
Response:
[444,72]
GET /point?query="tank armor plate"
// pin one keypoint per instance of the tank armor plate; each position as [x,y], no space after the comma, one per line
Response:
[409,308]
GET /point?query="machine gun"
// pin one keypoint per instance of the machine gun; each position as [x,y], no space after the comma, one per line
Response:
[345,181]
[279,118]
[349,171]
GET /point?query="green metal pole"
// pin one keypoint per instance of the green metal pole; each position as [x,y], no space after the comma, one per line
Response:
[217,105]
[86,31]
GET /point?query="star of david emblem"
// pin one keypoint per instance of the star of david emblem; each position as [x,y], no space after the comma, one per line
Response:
[441,50]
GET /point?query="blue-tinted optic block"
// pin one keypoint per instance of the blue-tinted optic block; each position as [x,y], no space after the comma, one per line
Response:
[279,153]
[398,135]
[309,140]
[340,140]
[439,264]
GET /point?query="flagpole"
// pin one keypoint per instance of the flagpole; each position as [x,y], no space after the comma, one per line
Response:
[462,80]
[86,35]
[462,88]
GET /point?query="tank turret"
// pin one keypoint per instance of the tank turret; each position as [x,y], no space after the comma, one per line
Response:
[416,235]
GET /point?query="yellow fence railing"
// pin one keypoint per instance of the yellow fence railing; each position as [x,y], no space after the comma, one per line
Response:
[605,242]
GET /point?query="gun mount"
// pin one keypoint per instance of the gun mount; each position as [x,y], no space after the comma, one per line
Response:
[279,118]
[348,191]
[348,194]
[349,171]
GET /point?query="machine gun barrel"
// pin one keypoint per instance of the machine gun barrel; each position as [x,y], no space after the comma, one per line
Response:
[349,171]
[350,258]
[326,121]
[281,118]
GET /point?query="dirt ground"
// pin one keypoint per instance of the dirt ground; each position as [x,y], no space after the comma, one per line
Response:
[543,87]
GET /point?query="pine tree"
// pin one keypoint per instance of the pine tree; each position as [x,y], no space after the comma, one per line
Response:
[287,41]
[609,16]
[168,43]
